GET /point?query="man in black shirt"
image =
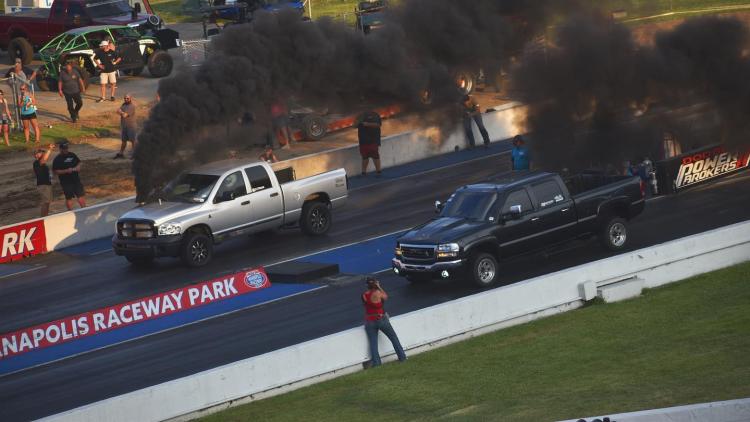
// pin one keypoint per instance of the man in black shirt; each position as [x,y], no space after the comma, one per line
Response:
[66,166]
[43,178]
[368,130]
[70,85]
[107,61]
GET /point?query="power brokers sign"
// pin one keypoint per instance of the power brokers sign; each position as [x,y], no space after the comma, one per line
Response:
[22,240]
[699,166]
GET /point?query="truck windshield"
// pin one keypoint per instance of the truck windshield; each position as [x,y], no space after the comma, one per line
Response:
[193,188]
[106,8]
[470,205]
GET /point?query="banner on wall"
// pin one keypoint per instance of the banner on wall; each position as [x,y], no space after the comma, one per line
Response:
[22,240]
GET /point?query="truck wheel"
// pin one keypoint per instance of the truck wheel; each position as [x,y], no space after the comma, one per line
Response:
[160,64]
[140,261]
[483,269]
[314,127]
[316,218]
[20,48]
[614,234]
[419,278]
[197,250]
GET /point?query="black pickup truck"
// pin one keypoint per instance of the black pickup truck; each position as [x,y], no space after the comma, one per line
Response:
[481,223]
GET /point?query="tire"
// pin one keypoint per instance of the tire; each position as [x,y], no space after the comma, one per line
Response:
[314,127]
[160,64]
[483,269]
[466,81]
[140,261]
[134,72]
[614,234]
[22,49]
[47,84]
[197,250]
[316,218]
[419,278]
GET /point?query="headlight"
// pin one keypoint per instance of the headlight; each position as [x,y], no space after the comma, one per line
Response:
[448,250]
[168,229]
[398,249]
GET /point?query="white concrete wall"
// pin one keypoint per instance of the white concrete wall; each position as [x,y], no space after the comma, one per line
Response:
[344,352]
[81,225]
[719,411]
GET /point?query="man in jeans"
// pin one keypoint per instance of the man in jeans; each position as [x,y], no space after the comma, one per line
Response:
[377,320]
[70,86]
[472,112]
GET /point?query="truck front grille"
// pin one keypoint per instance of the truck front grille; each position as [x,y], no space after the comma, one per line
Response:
[135,229]
[418,252]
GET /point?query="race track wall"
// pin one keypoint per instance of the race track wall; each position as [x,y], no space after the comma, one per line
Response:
[344,352]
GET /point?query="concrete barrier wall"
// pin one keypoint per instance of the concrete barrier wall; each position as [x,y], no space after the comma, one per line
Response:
[344,352]
[81,225]
[719,411]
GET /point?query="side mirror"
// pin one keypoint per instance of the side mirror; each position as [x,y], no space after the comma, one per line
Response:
[438,207]
[515,211]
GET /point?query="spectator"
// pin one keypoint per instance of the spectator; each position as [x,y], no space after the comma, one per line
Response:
[43,178]
[127,125]
[376,319]
[472,112]
[368,131]
[268,155]
[70,86]
[107,61]
[6,119]
[520,158]
[23,75]
[67,166]
[27,104]
[280,124]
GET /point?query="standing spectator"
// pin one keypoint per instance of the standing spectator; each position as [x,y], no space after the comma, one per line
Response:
[27,104]
[520,158]
[280,124]
[127,125]
[6,119]
[368,131]
[66,166]
[472,112]
[43,178]
[23,75]
[376,319]
[70,86]
[268,155]
[107,61]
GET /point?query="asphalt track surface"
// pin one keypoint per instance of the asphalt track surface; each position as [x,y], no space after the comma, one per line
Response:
[62,284]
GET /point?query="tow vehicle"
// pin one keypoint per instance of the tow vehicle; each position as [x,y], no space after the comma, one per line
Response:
[482,223]
[209,204]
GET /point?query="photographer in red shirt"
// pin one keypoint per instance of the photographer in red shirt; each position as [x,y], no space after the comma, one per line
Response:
[376,319]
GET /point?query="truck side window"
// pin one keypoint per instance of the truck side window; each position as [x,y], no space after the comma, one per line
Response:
[548,193]
[519,197]
[58,10]
[75,9]
[233,183]
[258,177]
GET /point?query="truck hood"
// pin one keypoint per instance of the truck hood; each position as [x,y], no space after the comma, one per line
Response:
[120,20]
[441,230]
[161,213]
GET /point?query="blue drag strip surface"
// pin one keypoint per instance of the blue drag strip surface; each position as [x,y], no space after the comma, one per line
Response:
[89,248]
[145,328]
[361,258]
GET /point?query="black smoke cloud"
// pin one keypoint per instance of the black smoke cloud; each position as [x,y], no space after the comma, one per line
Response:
[325,63]
[584,87]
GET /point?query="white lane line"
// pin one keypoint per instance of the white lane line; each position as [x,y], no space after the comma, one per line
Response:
[23,271]
[100,252]
[210,317]
[339,247]
[431,170]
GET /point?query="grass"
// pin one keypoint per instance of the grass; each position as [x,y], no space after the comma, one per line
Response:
[57,133]
[679,344]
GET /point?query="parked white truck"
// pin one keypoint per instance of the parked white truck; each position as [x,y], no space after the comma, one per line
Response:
[204,206]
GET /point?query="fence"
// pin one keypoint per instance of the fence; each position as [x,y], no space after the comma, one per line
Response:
[194,52]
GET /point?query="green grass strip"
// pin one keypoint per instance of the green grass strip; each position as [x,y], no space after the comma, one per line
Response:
[679,344]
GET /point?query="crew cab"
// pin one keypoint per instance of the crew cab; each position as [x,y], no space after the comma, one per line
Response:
[209,204]
[481,223]
[22,32]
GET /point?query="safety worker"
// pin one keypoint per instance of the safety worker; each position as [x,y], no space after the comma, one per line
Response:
[376,319]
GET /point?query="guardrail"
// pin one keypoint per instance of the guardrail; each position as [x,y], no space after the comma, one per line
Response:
[344,352]
[74,227]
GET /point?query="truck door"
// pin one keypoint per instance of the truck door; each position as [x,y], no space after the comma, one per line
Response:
[516,234]
[555,218]
[265,199]
[230,208]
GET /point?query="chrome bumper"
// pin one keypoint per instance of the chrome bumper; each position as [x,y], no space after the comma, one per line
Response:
[427,268]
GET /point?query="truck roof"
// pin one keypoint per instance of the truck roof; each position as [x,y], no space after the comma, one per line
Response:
[217,168]
[510,181]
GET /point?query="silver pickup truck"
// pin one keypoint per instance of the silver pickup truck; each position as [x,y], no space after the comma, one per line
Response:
[202,207]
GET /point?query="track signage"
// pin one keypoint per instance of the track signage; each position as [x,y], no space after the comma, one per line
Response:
[704,165]
[22,240]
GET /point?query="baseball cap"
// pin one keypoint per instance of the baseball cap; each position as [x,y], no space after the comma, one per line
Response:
[104,43]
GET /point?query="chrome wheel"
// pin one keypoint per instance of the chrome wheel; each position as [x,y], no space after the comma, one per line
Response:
[617,234]
[486,270]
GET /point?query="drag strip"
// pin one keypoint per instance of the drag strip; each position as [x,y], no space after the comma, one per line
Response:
[379,210]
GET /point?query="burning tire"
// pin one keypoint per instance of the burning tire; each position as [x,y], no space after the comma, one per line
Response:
[20,48]
[314,127]
[160,64]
